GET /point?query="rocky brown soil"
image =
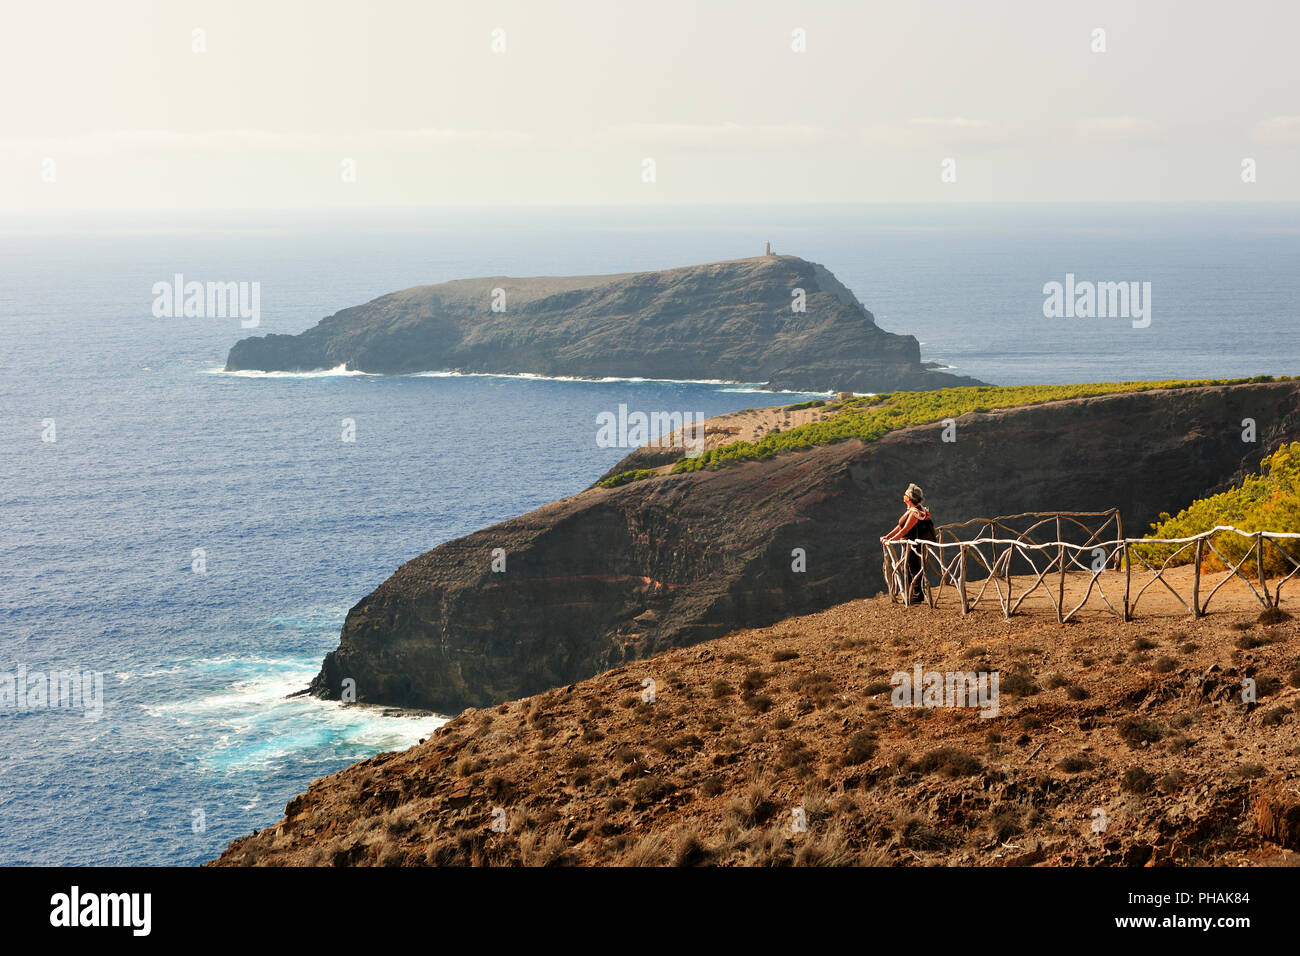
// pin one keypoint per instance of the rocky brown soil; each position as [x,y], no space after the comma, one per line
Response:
[1142,722]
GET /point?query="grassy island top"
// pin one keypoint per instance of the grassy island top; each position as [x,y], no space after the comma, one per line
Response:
[868,417]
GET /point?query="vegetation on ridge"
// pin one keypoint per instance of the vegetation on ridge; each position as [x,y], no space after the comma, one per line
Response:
[623,477]
[869,417]
[1269,501]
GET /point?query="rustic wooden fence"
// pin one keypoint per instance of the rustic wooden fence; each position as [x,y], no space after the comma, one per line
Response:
[990,563]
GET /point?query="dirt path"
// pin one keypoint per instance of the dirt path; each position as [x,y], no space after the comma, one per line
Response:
[751,424]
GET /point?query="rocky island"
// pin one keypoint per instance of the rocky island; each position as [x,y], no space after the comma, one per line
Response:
[777,320]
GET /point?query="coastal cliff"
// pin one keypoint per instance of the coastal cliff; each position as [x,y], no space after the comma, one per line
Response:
[730,321]
[617,574]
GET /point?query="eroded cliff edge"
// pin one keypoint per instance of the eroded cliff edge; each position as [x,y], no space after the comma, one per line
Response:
[610,575]
[730,321]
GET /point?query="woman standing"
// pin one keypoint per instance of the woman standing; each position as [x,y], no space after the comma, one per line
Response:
[914,525]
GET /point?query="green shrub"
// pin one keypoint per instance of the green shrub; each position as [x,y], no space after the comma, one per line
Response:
[1269,501]
[623,477]
[868,417]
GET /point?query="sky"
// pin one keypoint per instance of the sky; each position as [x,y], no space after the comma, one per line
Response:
[274,104]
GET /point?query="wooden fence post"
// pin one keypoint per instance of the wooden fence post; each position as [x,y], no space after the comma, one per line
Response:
[1060,587]
[1010,552]
[1119,534]
[961,575]
[907,576]
[1128,578]
[1198,551]
[925,576]
[890,584]
[1259,561]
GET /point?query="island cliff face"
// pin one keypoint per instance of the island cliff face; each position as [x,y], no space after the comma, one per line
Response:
[611,575]
[730,321]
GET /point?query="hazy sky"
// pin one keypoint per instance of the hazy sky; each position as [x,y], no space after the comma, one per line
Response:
[110,105]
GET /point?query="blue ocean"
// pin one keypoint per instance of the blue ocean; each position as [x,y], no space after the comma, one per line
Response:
[196,537]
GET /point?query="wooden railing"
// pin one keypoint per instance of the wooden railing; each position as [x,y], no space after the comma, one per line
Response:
[994,562]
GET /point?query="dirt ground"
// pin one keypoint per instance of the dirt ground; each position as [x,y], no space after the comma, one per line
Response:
[751,424]
[1166,740]
[1170,595]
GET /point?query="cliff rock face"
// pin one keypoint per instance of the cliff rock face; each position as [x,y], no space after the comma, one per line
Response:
[728,321]
[610,575]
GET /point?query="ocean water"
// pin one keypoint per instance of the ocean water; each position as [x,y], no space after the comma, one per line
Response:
[162,463]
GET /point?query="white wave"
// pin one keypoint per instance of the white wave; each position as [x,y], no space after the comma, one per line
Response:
[632,379]
[304,726]
[242,696]
[312,618]
[778,391]
[341,371]
[234,664]
[252,722]
[338,371]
